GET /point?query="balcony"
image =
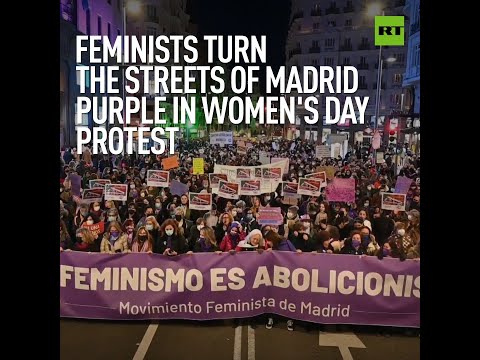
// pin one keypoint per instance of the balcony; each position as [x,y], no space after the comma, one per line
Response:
[362,86]
[348,9]
[316,12]
[294,52]
[362,66]
[152,18]
[414,28]
[364,47]
[314,50]
[332,10]
[67,12]
[375,86]
[346,47]
[329,48]
[399,3]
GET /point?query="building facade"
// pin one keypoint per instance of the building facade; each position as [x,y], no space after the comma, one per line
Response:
[411,80]
[81,17]
[338,33]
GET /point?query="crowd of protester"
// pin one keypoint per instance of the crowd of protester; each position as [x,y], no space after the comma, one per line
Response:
[153,220]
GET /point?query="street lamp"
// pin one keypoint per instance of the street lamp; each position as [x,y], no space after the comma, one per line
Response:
[133,7]
[373,10]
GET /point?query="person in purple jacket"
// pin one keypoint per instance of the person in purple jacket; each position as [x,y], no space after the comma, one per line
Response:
[277,242]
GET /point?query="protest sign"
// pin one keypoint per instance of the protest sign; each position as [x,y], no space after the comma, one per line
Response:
[290,189]
[170,162]
[116,192]
[341,190]
[243,173]
[274,173]
[250,187]
[322,152]
[96,229]
[215,178]
[178,188]
[258,173]
[228,190]
[139,286]
[310,187]
[274,160]
[98,183]
[221,138]
[158,178]
[322,176]
[198,166]
[329,170]
[391,201]
[263,158]
[270,216]
[402,185]
[76,182]
[200,201]
[92,195]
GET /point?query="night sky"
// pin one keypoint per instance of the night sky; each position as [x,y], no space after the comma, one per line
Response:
[246,17]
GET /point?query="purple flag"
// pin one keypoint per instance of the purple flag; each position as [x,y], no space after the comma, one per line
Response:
[321,288]
[178,188]
[402,185]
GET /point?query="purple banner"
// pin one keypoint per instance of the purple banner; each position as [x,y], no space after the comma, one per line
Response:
[402,185]
[320,288]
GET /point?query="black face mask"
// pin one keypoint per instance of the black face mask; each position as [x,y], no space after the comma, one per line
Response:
[142,238]
[131,211]
[178,217]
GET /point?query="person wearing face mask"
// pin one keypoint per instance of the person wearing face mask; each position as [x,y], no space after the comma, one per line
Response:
[112,215]
[253,241]
[211,217]
[300,236]
[249,223]
[353,245]
[184,225]
[84,241]
[129,227]
[323,242]
[96,210]
[363,214]
[153,228]
[170,242]
[114,239]
[403,241]
[221,230]
[290,219]
[148,212]
[143,242]
[321,219]
[382,226]
[195,233]
[231,239]
[65,239]
[109,204]
[185,207]
[81,216]
[206,241]
[343,222]
[368,241]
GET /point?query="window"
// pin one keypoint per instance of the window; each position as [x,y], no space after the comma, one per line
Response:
[316,25]
[347,42]
[332,23]
[362,80]
[109,31]
[399,58]
[88,21]
[87,77]
[395,99]
[397,78]
[364,41]
[363,60]
[328,61]
[84,118]
[314,43]
[151,10]
[346,61]
[416,55]
[151,31]
[99,25]
[329,42]
[348,22]
[314,62]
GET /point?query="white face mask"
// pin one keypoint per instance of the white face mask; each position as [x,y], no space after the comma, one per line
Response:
[89,222]
[169,232]
[410,217]
[96,208]
[401,232]
[200,227]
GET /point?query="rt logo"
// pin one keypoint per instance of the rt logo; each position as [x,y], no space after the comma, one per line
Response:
[389,30]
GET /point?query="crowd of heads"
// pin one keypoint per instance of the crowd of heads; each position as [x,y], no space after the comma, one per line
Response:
[153,220]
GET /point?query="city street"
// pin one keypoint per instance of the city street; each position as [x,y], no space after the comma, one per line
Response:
[172,340]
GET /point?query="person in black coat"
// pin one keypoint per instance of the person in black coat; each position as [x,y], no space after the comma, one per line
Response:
[382,227]
[353,245]
[195,232]
[170,242]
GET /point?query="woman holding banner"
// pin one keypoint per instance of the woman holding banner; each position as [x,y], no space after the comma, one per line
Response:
[114,239]
[206,241]
[170,242]
[85,241]
[143,242]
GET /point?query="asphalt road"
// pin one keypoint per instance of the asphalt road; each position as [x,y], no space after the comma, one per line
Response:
[180,340]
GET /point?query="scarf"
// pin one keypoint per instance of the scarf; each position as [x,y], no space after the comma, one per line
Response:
[135,247]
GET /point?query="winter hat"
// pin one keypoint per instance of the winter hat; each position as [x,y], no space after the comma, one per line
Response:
[235,224]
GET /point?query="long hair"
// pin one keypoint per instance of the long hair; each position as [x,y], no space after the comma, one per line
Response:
[152,218]
[115,224]
[87,235]
[274,238]
[149,239]
[209,235]
[172,223]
